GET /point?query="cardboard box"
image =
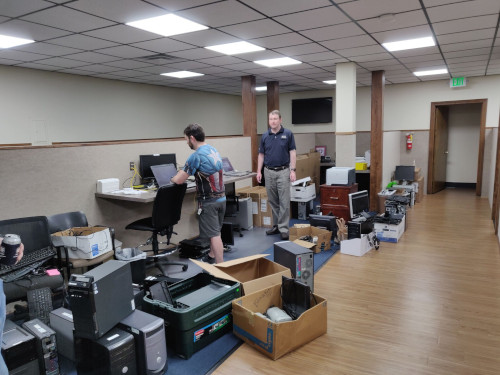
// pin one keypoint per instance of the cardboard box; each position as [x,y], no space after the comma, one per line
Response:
[356,246]
[417,174]
[389,232]
[419,191]
[303,193]
[84,242]
[253,273]
[300,230]
[276,339]
[261,210]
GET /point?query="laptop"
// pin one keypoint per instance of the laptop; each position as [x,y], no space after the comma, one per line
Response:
[228,170]
[163,174]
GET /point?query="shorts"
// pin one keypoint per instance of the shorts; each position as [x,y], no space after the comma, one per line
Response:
[211,218]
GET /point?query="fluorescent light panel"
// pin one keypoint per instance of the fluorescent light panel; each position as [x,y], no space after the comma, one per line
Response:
[167,25]
[11,41]
[282,61]
[261,88]
[430,72]
[182,74]
[409,44]
[235,48]
[331,82]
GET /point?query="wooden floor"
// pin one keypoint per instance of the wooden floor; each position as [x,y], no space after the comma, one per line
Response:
[429,304]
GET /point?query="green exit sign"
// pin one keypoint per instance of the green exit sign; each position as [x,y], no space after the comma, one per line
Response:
[458,82]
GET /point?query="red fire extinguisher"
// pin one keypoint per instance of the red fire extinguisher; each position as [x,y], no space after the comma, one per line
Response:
[409,141]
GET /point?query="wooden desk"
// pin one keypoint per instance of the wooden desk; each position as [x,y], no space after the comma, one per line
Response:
[149,196]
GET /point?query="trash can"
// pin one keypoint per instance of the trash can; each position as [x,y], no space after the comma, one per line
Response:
[137,259]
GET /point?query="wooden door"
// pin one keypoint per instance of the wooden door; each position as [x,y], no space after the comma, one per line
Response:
[440,148]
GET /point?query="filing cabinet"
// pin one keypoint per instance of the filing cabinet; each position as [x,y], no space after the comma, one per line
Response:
[335,199]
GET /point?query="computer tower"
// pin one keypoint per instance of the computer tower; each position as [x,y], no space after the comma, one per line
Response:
[112,354]
[100,298]
[299,259]
[356,228]
[46,346]
[61,321]
[19,350]
[301,210]
[150,343]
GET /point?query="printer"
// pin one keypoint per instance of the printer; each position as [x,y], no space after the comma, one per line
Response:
[340,176]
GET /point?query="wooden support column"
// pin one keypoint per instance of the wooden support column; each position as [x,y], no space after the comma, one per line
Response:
[377,138]
[273,96]
[249,102]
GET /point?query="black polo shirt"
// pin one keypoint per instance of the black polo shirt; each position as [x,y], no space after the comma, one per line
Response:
[276,147]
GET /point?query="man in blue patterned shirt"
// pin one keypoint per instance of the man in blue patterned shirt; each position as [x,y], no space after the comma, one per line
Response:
[205,164]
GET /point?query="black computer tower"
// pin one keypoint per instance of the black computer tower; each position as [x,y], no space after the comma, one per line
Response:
[150,343]
[61,321]
[100,298]
[356,228]
[112,354]
[46,346]
[19,350]
[299,259]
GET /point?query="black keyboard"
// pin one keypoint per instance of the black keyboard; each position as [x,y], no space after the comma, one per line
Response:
[38,256]
[40,303]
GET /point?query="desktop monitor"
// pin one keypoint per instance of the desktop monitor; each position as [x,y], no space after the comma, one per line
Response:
[327,222]
[404,173]
[146,161]
[359,202]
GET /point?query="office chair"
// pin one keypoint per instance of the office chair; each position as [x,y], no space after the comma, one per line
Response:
[232,209]
[67,220]
[166,213]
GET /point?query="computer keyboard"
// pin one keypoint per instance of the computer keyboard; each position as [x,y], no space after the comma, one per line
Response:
[40,303]
[37,256]
[17,274]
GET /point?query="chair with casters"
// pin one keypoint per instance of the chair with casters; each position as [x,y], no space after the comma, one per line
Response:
[67,220]
[166,213]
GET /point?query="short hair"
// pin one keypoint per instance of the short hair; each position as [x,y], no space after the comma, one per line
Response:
[196,131]
[275,112]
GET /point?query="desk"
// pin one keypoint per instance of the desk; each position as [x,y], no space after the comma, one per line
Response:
[149,196]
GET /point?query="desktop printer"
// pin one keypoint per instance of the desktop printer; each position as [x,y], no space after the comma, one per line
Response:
[108,185]
[340,176]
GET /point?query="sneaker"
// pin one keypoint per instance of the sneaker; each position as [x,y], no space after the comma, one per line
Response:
[273,230]
[284,235]
[207,259]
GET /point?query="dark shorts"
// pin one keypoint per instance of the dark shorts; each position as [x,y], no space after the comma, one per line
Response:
[211,218]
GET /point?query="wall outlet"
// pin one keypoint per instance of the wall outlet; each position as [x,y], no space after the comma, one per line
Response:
[132,165]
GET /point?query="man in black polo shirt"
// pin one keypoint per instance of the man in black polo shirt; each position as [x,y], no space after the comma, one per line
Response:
[278,156]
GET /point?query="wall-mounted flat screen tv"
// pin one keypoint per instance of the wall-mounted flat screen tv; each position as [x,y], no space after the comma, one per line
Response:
[312,110]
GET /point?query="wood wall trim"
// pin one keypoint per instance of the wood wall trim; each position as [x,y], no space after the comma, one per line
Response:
[377,139]
[273,96]
[495,205]
[345,133]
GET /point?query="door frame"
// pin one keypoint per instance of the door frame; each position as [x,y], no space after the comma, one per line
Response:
[482,132]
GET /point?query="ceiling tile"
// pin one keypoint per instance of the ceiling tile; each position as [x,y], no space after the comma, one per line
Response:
[63,62]
[126,52]
[400,21]
[283,40]
[316,18]
[363,9]
[163,45]
[91,57]
[276,7]
[465,24]
[463,10]
[358,51]
[205,38]
[255,29]
[175,5]
[302,49]
[466,36]
[216,14]
[403,34]
[122,34]
[350,42]
[333,32]
[12,54]
[195,54]
[67,19]
[118,10]
[82,41]
[16,8]
[29,30]
[46,49]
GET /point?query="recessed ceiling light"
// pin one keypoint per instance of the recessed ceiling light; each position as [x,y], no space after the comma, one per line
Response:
[331,82]
[282,61]
[235,48]
[431,72]
[11,41]
[182,74]
[261,88]
[167,25]
[409,44]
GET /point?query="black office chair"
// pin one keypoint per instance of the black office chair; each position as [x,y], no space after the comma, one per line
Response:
[166,213]
[232,209]
[67,220]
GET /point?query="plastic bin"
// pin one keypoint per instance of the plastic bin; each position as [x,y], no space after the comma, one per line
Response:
[137,260]
[191,328]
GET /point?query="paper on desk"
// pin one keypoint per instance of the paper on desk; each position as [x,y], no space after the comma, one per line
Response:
[128,191]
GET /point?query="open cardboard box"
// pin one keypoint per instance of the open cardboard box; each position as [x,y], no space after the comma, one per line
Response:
[276,339]
[300,230]
[253,273]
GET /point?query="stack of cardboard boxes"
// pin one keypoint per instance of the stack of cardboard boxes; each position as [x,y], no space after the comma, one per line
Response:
[261,210]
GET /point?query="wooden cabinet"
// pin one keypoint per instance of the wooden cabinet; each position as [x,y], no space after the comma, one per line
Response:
[335,199]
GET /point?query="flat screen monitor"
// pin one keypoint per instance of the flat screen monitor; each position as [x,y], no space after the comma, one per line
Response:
[404,173]
[324,221]
[146,161]
[296,296]
[312,111]
[359,202]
